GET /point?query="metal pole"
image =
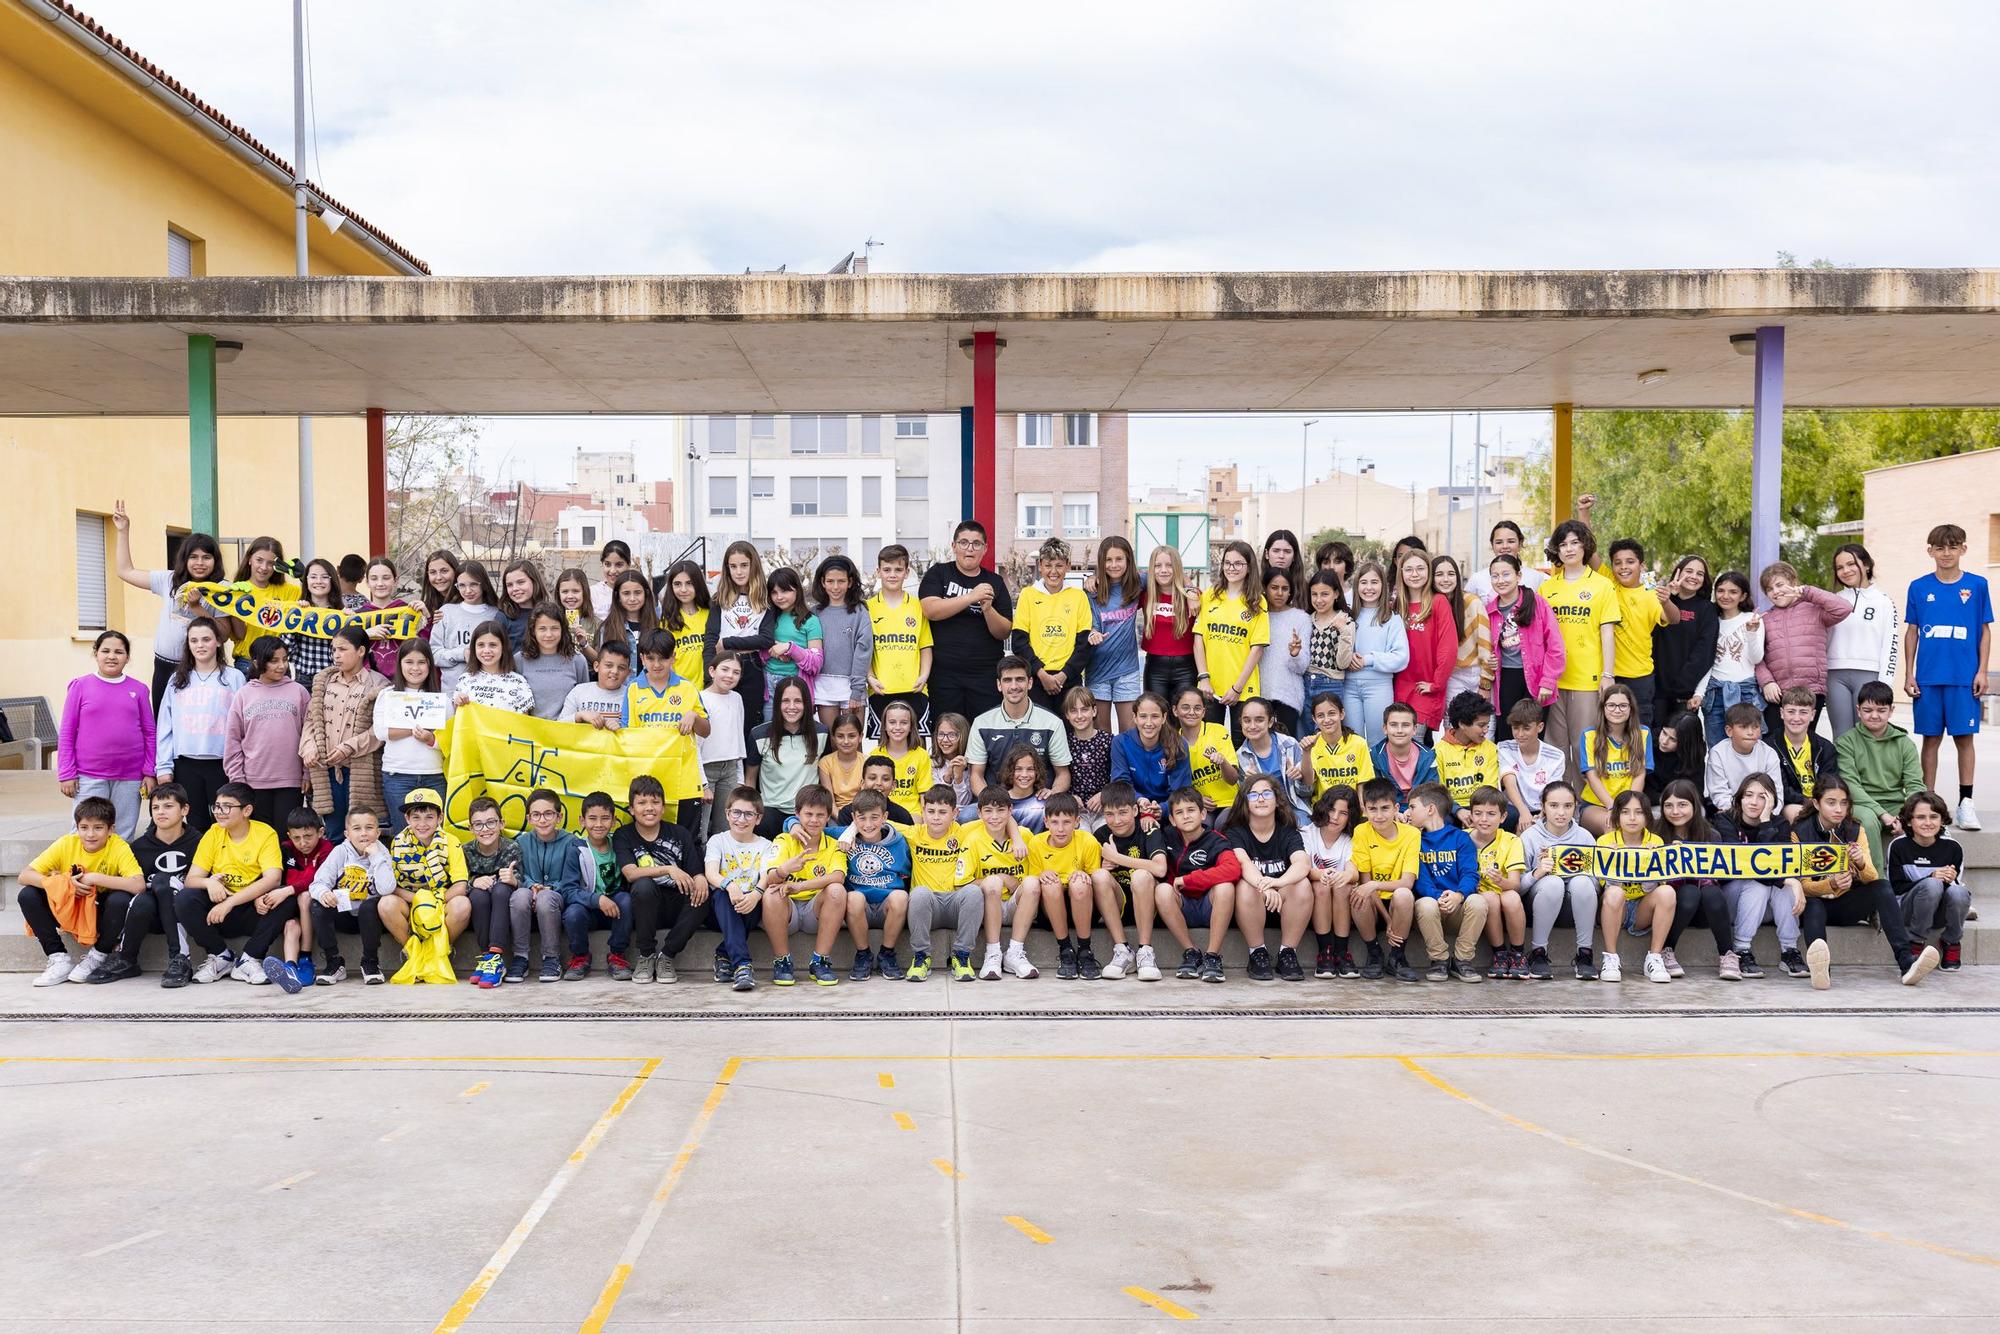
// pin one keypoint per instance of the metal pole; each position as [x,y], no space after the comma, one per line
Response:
[1305,434]
[308,529]
[1767,450]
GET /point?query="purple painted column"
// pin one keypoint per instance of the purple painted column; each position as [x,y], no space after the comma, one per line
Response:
[1767,449]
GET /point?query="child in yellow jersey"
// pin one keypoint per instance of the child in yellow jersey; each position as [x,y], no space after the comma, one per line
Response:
[1613,757]
[806,890]
[81,866]
[899,743]
[1231,632]
[1585,605]
[997,848]
[1066,863]
[1466,758]
[660,697]
[1211,754]
[1385,864]
[1052,628]
[1641,610]
[1644,908]
[687,619]
[899,665]
[1501,865]
[1336,756]
[944,888]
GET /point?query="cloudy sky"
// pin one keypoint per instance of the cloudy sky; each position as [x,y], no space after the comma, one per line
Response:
[630,137]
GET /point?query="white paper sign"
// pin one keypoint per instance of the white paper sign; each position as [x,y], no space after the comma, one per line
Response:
[416,708]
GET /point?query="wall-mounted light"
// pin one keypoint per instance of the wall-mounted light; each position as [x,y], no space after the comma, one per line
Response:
[227,350]
[1745,344]
[1653,376]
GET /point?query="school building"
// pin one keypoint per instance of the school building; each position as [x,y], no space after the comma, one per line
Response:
[116,169]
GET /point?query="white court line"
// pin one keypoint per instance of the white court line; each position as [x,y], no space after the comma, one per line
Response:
[399,1132]
[121,1245]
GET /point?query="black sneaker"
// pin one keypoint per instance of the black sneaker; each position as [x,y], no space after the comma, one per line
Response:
[1087,966]
[1399,966]
[179,973]
[1538,965]
[1465,970]
[1288,966]
[1260,965]
[1343,966]
[115,968]
[1791,962]
[723,972]
[1748,963]
[1439,971]
[1586,966]
[1372,970]
[1066,961]
[1190,967]
[1323,964]
[1211,967]
[864,965]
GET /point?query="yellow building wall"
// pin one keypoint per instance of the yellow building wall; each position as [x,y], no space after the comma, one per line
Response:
[107,170]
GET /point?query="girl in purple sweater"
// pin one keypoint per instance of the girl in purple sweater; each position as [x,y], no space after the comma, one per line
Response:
[260,747]
[1795,629]
[104,747]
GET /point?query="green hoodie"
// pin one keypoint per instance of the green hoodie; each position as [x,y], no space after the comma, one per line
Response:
[1881,772]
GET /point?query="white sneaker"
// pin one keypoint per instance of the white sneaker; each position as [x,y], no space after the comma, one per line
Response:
[57,972]
[1820,965]
[1608,969]
[248,970]
[216,967]
[1968,814]
[1121,963]
[1149,964]
[87,969]
[989,967]
[1018,965]
[1656,969]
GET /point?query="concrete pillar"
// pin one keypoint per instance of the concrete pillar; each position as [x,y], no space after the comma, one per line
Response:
[378,484]
[1561,501]
[1767,450]
[985,361]
[204,491]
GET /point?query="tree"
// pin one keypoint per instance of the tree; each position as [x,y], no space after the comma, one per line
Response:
[1364,548]
[426,460]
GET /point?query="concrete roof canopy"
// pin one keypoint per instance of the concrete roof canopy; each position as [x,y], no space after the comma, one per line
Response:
[1085,342]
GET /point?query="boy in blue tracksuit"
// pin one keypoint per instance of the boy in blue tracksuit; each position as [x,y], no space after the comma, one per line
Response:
[1447,888]
[1400,757]
[878,885]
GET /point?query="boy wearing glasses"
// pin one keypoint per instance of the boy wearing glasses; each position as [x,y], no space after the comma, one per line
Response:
[736,861]
[493,869]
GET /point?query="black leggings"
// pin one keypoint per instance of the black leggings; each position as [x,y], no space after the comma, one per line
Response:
[652,899]
[152,909]
[1514,689]
[163,672]
[272,804]
[262,930]
[1870,899]
[202,779]
[1168,677]
[328,923]
[111,908]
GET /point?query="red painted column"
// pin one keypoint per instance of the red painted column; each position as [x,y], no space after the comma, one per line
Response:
[985,359]
[378,486]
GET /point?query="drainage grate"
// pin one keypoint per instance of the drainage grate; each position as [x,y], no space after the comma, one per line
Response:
[978,1016]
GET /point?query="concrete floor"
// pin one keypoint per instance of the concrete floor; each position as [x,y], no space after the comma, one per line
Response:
[1817,1167]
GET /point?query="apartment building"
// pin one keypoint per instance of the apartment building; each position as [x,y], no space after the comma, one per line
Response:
[1059,474]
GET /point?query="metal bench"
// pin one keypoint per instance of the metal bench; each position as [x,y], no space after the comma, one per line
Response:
[34,729]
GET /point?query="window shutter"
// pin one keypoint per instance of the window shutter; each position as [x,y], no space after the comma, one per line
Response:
[92,602]
[180,256]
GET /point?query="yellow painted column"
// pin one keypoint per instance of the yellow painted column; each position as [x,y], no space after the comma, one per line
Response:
[1561,502]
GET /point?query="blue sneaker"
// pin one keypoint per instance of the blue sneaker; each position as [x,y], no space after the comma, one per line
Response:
[490,971]
[277,970]
[781,971]
[551,970]
[517,968]
[307,974]
[745,978]
[723,972]
[887,966]
[864,964]
[821,969]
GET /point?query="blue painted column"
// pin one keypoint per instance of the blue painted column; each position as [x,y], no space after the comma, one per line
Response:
[966,458]
[1767,450]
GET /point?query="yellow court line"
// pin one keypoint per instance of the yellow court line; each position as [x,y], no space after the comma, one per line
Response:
[903,1121]
[461,1310]
[1398,1056]
[886,1080]
[1160,1304]
[1452,1090]
[475,1090]
[1029,1230]
[289,1181]
[944,1165]
[635,1245]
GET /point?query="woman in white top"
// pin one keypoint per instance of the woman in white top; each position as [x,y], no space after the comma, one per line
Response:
[1739,647]
[1864,647]
[199,561]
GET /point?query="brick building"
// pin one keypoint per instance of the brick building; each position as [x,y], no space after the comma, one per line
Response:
[1058,474]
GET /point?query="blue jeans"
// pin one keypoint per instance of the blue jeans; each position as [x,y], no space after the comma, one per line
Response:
[735,928]
[579,921]
[1366,693]
[1722,694]
[396,787]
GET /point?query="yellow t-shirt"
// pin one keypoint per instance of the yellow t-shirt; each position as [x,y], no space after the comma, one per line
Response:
[913,776]
[1348,763]
[991,857]
[1209,780]
[939,864]
[688,645]
[901,636]
[1392,858]
[1800,763]
[1082,853]
[823,860]
[1620,765]
[66,856]
[1052,621]
[1582,609]
[1502,855]
[1632,641]
[1229,632]
[1465,769]
[237,864]
[1613,839]
[648,707]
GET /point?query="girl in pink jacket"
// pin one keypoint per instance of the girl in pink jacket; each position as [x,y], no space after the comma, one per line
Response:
[1795,629]
[1528,653]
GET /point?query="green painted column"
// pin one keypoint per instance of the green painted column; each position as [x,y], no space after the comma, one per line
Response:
[204,506]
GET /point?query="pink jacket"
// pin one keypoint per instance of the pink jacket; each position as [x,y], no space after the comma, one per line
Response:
[1542,653]
[1433,654]
[1795,640]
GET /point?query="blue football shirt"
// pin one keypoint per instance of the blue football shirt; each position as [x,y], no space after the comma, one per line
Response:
[1948,617]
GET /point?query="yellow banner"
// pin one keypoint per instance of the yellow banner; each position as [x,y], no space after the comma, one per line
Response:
[1703,861]
[252,607]
[505,756]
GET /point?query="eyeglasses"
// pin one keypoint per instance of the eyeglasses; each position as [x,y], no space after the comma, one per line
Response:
[742,815]
[1261,795]
[488,823]
[543,815]
[972,543]
[225,807]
